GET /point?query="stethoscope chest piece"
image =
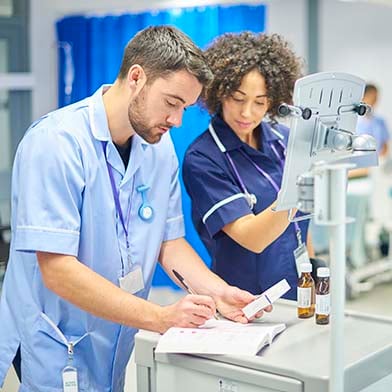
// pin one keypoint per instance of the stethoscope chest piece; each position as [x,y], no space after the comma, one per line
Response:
[251,199]
[145,211]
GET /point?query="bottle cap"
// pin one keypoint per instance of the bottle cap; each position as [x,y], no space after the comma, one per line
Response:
[306,267]
[323,272]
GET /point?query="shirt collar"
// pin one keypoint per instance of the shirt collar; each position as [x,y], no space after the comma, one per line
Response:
[232,142]
[97,116]
[99,121]
[225,134]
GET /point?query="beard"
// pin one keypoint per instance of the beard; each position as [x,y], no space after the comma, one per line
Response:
[136,115]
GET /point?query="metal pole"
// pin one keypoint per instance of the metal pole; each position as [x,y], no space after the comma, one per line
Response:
[337,197]
[313,24]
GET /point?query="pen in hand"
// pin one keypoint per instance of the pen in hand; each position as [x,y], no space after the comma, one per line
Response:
[187,287]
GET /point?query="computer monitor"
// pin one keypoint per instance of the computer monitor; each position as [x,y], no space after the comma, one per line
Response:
[324,118]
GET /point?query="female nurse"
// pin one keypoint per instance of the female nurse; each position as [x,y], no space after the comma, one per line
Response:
[233,170]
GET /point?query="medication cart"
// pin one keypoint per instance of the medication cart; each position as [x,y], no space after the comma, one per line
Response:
[297,361]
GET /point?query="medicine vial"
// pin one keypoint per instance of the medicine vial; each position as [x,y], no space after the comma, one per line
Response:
[305,292]
[323,300]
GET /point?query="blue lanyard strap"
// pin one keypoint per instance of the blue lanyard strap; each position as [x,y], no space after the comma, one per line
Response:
[277,154]
[116,197]
[262,172]
[237,174]
[265,175]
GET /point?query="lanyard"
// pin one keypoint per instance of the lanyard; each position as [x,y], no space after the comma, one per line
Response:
[267,176]
[262,171]
[116,197]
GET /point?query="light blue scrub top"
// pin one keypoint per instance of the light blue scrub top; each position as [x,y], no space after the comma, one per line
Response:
[375,126]
[62,202]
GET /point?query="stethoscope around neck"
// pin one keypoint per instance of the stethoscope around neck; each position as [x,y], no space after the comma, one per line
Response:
[250,197]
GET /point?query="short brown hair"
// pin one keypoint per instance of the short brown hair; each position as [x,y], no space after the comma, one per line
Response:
[161,50]
[232,56]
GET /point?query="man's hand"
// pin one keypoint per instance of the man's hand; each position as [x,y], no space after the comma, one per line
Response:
[189,312]
[232,300]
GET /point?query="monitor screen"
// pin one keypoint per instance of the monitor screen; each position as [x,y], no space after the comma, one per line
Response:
[323,128]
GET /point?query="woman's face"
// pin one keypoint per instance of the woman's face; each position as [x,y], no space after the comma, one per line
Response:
[244,110]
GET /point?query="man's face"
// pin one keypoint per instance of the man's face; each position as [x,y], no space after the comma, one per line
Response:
[160,105]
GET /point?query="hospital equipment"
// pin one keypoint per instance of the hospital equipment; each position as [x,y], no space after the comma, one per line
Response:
[322,146]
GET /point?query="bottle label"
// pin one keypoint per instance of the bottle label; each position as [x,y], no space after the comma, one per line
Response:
[323,304]
[304,295]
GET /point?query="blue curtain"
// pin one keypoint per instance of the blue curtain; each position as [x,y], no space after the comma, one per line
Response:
[90,53]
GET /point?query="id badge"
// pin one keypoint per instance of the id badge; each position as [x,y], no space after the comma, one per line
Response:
[301,257]
[133,281]
[70,379]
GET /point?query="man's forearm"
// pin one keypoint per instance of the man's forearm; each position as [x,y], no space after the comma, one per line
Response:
[78,284]
[179,255]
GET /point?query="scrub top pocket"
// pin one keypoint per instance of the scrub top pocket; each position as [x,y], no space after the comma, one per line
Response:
[49,356]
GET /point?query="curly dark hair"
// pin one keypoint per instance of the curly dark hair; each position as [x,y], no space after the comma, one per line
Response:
[232,56]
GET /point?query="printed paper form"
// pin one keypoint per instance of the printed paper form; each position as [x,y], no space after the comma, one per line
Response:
[219,337]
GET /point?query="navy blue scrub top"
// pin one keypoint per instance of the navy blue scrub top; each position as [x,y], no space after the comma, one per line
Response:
[217,199]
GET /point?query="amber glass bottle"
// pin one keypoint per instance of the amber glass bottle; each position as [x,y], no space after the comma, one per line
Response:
[305,292]
[323,301]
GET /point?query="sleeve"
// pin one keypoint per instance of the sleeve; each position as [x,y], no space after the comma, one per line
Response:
[384,132]
[362,126]
[216,199]
[48,184]
[175,219]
